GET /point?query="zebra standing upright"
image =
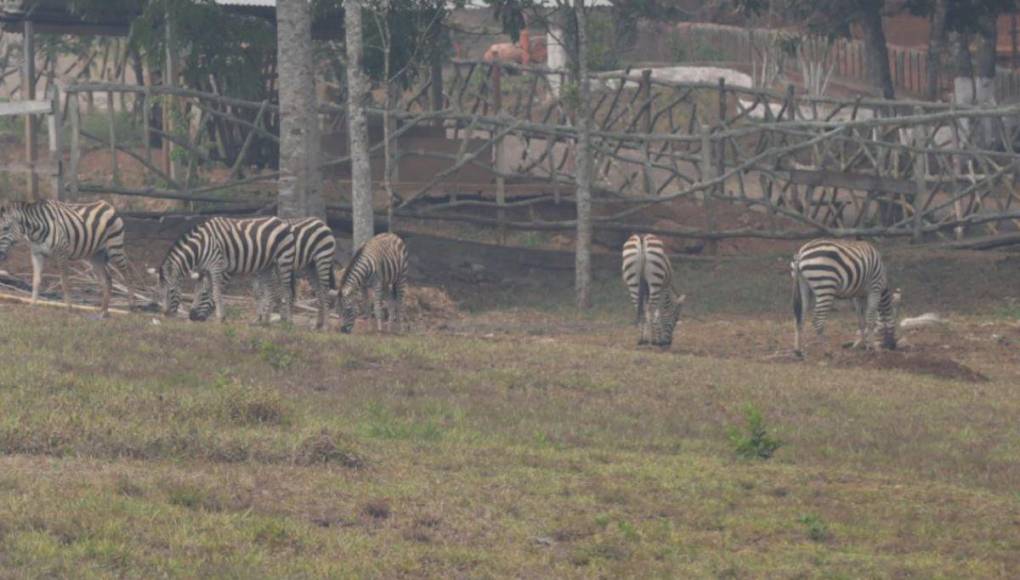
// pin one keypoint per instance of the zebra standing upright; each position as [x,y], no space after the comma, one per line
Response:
[220,247]
[380,264]
[314,249]
[649,279]
[66,232]
[824,270]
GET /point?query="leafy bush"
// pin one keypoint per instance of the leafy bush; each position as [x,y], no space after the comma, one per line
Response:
[754,442]
[816,528]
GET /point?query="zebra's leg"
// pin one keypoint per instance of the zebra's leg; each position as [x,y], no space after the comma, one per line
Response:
[319,289]
[102,274]
[861,307]
[118,261]
[65,286]
[284,284]
[37,267]
[820,313]
[377,303]
[216,281]
[871,334]
[398,303]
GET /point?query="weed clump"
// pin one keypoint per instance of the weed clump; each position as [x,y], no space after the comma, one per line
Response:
[326,447]
[753,442]
[817,530]
[251,405]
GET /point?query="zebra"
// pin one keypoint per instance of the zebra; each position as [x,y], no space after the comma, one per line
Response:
[380,264]
[68,232]
[649,279]
[220,247]
[824,270]
[314,250]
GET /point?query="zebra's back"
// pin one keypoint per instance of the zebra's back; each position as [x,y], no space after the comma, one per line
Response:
[381,260]
[252,244]
[843,268]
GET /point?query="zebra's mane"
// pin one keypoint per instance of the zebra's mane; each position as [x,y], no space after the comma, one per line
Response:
[350,267]
[180,243]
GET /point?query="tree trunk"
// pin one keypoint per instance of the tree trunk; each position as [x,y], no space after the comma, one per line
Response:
[936,46]
[985,59]
[877,52]
[357,95]
[300,186]
[963,69]
[582,264]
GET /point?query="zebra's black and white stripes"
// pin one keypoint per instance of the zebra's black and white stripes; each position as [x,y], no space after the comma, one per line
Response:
[380,264]
[67,232]
[314,250]
[824,270]
[648,275]
[220,247]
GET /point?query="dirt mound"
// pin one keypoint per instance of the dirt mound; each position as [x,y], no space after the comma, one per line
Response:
[918,363]
[429,304]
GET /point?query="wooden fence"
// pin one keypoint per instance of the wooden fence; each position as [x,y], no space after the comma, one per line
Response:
[742,162]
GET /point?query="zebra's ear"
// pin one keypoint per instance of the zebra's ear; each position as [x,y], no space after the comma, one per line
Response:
[195,275]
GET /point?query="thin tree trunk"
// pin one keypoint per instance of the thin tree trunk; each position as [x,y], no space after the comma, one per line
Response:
[582,263]
[357,95]
[877,52]
[300,186]
[936,46]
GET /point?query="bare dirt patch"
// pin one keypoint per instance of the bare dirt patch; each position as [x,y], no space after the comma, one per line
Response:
[921,363]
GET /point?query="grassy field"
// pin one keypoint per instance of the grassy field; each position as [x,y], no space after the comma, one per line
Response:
[520,440]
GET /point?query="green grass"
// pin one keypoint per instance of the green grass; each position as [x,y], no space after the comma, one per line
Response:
[194,450]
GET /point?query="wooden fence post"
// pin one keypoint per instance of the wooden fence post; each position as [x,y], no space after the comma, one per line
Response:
[707,174]
[74,144]
[28,94]
[55,126]
[497,152]
[920,177]
[646,125]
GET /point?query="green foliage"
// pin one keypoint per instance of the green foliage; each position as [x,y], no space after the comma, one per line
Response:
[817,530]
[603,48]
[754,442]
[274,355]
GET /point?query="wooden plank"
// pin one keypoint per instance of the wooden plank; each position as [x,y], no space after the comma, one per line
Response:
[25,107]
[823,178]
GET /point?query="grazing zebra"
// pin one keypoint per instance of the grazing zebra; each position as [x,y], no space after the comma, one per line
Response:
[220,247]
[824,270]
[380,264]
[649,279]
[66,232]
[314,248]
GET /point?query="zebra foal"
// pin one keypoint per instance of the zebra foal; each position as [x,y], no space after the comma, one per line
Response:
[314,250]
[381,265]
[648,275]
[221,247]
[824,270]
[68,232]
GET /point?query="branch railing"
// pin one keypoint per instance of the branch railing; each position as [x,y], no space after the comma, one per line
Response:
[739,162]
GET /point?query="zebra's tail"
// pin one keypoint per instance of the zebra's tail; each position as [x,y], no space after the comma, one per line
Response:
[800,290]
[644,292]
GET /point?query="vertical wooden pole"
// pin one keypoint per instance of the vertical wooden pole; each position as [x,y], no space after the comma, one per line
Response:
[146,124]
[646,126]
[497,151]
[920,176]
[707,174]
[74,144]
[112,118]
[28,94]
[169,80]
[1013,39]
[55,126]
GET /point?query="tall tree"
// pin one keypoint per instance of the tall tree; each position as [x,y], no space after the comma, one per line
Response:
[357,97]
[583,176]
[936,47]
[833,18]
[300,187]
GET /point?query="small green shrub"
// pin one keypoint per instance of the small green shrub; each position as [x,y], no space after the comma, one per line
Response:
[754,442]
[275,355]
[816,528]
